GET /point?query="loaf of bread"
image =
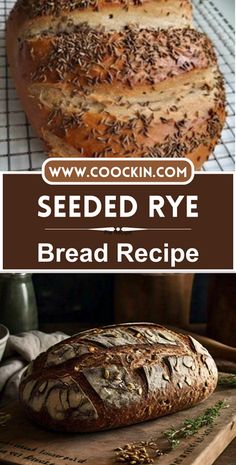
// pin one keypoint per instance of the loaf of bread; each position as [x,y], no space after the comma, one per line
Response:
[117,78]
[115,376]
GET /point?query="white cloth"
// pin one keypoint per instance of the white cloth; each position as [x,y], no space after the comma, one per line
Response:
[20,351]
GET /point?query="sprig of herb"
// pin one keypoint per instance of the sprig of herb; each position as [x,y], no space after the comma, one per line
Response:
[146,452]
[228,381]
[192,426]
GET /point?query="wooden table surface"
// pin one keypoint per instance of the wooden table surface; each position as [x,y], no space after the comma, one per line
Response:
[229,456]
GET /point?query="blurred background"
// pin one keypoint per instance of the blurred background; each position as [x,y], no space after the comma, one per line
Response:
[202,303]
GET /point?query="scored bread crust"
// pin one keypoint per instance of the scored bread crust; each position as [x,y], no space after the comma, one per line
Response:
[115,376]
[104,80]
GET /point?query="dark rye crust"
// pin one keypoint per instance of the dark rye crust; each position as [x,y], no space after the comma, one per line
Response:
[90,89]
[115,376]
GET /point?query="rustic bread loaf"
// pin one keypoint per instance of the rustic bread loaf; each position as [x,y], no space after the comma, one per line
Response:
[117,78]
[115,376]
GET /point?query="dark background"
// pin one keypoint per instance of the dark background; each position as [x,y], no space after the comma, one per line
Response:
[75,298]
[200,303]
[89,299]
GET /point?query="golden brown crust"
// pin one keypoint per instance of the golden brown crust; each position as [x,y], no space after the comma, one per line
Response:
[115,376]
[112,15]
[134,56]
[133,92]
[37,8]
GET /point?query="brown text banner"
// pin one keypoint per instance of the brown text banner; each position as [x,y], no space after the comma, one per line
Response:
[118,227]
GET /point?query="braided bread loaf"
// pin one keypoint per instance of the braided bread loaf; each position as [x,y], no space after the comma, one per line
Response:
[115,376]
[117,78]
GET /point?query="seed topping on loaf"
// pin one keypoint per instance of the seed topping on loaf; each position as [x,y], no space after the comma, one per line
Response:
[56,7]
[117,78]
[82,67]
[132,56]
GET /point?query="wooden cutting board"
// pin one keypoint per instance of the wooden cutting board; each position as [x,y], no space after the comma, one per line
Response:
[23,443]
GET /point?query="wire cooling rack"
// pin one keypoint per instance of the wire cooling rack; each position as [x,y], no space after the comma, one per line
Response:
[20,149]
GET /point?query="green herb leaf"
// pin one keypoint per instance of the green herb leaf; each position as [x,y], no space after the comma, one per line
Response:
[192,426]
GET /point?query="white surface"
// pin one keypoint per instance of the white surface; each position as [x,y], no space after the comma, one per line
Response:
[227,8]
